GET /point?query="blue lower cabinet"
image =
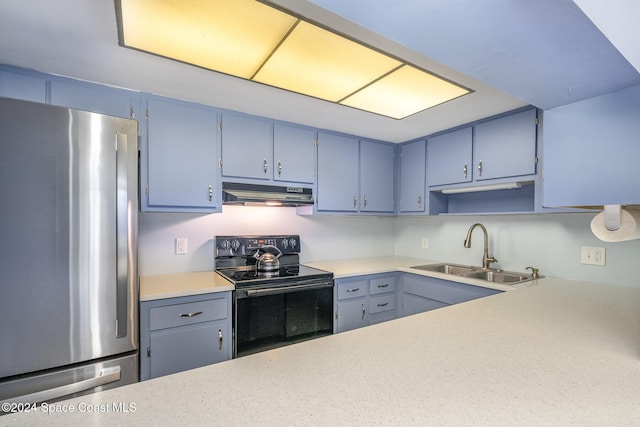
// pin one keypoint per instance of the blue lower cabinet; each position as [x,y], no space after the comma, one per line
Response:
[423,293]
[177,334]
[365,300]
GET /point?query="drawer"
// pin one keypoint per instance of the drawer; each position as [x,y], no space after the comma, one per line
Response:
[352,289]
[382,303]
[188,313]
[382,285]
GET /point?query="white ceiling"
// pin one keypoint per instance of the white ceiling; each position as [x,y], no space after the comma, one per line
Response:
[511,53]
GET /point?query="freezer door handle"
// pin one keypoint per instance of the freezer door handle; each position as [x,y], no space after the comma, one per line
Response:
[107,375]
[122,218]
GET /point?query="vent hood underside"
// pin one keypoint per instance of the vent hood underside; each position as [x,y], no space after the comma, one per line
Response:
[265,195]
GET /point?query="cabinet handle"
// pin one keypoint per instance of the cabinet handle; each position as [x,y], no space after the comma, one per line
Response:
[480,168]
[419,201]
[210,193]
[279,168]
[266,166]
[465,169]
[383,304]
[353,290]
[383,286]
[363,312]
[220,338]
[355,201]
[192,314]
[364,199]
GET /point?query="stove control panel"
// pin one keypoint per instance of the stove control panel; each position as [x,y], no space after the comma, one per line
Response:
[227,246]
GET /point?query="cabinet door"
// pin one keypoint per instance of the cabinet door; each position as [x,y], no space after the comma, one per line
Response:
[591,151]
[352,314]
[178,349]
[412,176]
[19,86]
[293,154]
[449,158]
[505,147]
[377,173]
[181,155]
[94,98]
[246,147]
[337,173]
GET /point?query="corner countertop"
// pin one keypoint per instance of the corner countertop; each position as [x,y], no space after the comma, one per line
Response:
[185,284]
[557,352]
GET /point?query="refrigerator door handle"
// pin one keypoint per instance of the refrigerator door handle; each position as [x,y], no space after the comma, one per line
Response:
[107,375]
[122,236]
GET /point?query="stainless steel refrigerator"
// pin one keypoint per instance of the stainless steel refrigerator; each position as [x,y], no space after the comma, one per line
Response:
[68,256]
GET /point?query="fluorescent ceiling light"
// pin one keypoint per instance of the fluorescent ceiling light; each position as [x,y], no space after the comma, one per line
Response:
[251,40]
[490,187]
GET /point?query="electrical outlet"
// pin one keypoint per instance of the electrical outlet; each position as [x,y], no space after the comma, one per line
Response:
[181,245]
[425,243]
[592,255]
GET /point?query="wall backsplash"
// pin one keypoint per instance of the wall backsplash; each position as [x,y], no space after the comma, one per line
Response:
[550,242]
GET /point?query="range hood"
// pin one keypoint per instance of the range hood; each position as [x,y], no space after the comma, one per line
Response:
[266,195]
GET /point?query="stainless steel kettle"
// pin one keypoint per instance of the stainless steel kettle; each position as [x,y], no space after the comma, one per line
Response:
[268,261]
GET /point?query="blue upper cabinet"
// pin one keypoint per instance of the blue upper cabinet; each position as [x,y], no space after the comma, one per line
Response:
[294,154]
[179,157]
[20,86]
[591,151]
[355,176]
[338,173]
[247,147]
[377,177]
[412,177]
[449,159]
[94,98]
[505,147]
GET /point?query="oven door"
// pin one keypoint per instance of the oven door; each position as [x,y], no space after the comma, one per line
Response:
[274,316]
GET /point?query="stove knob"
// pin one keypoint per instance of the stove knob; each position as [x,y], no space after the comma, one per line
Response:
[285,243]
[225,245]
[292,242]
[235,244]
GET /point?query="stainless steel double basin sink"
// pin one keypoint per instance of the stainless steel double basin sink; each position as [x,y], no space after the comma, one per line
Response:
[489,275]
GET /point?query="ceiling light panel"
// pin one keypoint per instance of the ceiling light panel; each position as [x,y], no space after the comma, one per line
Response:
[404,92]
[231,36]
[251,40]
[322,64]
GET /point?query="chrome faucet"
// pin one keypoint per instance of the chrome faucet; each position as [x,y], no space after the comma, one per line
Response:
[486,259]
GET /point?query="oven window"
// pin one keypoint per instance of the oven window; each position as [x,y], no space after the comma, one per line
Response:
[270,321]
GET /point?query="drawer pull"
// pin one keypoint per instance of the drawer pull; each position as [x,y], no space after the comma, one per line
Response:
[192,314]
[383,286]
[383,304]
[353,290]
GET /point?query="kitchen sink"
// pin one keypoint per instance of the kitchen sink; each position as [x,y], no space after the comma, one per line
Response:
[489,275]
[454,269]
[498,276]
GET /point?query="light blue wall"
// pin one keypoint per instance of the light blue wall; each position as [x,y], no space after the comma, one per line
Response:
[550,242]
[322,237]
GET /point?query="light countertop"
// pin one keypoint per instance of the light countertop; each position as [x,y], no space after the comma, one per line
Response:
[555,352]
[182,284]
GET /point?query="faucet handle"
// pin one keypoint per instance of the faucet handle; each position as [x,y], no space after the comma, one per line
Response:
[534,272]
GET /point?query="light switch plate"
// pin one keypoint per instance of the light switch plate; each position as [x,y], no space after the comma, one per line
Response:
[181,245]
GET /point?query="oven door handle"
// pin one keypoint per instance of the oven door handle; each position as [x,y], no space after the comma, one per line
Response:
[287,289]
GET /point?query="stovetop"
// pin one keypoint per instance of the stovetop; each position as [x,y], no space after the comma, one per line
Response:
[250,276]
[236,260]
